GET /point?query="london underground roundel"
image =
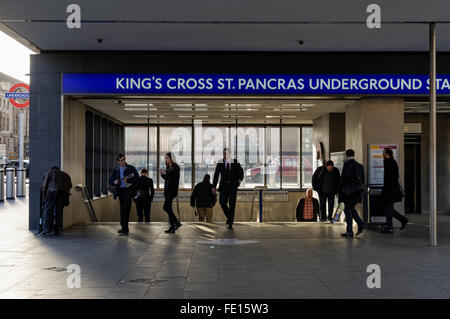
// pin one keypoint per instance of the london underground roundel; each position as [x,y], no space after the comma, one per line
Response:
[19,95]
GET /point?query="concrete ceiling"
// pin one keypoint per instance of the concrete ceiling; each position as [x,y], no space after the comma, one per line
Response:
[251,25]
[218,111]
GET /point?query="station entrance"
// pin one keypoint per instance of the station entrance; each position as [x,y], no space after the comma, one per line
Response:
[279,142]
[272,138]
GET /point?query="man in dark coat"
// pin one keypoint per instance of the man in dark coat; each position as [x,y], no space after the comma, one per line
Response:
[55,193]
[144,196]
[350,192]
[124,178]
[390,187]
[231,176]
[325,182]
[171,176]
[203,199]
[307,208]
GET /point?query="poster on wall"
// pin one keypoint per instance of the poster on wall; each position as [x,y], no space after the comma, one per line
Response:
[376,164]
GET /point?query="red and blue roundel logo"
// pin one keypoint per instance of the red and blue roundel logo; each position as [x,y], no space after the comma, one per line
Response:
[19,95]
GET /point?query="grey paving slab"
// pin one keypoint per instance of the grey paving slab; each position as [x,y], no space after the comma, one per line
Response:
[284,260]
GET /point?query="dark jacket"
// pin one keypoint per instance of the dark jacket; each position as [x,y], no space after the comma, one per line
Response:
[228,177]
[390,180]
[56,180]
[301,205]
[171,181]
[319,178]
[145,186]
[202,195]
[130,172]
[351,179]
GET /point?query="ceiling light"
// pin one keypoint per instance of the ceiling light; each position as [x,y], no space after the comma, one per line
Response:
[307,104]
[201,109]
[291,104]
[140,109]
[181,109]
[271,116]
[181,104]
[138,104]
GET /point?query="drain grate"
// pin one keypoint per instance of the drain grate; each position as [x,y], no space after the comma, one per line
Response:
[146,281]
[57,269]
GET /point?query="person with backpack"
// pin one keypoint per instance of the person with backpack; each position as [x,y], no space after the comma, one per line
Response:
[391,192]
[144,196]
[307,208]
[55,195]
[350,192]
[203,199]
[325,182]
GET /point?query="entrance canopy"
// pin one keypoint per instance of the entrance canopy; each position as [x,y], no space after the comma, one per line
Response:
[255,25]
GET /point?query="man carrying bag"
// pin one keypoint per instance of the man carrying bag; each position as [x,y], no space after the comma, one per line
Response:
[392,192]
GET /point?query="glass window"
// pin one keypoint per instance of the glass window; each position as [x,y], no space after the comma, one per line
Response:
[208,147]
[307,156]
[152,154]
[136,146]
[272,157]
[250,153]
[291,157]
[177,140]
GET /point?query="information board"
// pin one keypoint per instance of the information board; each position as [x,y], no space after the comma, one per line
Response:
[376,164]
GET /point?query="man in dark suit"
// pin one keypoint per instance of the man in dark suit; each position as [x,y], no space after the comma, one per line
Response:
[350,192]
[124,178]
[326,183]
[231,176]
[144,196]
[390,187]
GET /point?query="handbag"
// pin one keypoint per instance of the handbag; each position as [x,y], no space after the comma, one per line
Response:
[399,193]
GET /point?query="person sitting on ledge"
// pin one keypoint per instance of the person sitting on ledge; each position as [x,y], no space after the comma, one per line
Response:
[307,208]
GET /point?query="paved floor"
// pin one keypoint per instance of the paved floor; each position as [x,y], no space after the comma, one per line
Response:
[286,260]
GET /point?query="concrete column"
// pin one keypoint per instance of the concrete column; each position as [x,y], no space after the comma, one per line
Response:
[376,121]
[330,130]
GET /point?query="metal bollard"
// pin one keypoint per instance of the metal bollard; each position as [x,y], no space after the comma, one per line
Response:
[2,185]
[21,182]
[10,176]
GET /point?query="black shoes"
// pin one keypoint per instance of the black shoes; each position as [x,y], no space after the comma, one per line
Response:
[347,235]
[360,230]
[122,232]
[387,231]
[404,224]
[230,226]
[172,229]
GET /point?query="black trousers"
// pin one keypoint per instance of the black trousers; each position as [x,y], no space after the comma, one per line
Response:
[350,214]
[125,199]
[227,200]
[53,208]
[390,212]
[323,198]
[168,209]
[143,208]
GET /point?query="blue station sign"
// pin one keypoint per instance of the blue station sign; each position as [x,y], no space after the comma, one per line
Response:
[251,84]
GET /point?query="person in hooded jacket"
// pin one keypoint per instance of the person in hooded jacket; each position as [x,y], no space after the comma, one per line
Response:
[203,199]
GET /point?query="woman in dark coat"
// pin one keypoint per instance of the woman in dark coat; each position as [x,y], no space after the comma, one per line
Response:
[390,187]
[171,176]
